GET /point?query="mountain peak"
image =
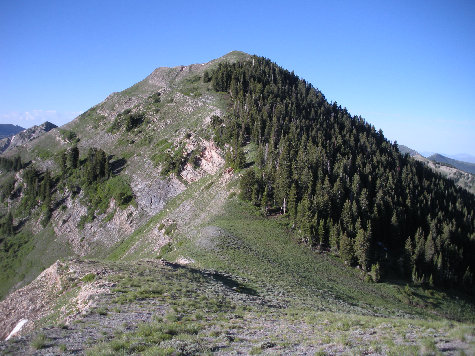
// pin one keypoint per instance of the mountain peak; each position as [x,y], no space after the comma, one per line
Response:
[235,56]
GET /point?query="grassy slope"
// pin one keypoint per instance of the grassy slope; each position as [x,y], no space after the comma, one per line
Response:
[266,253]
[33,256]
[310,303]
[219,231]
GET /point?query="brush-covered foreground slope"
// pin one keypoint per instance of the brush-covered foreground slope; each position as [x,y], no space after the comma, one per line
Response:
[243,278]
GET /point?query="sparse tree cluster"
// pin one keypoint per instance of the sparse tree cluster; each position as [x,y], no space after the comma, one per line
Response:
[11,164]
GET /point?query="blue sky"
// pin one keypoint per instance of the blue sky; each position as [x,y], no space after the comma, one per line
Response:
[407,67]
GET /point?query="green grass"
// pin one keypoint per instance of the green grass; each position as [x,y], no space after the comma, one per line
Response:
[90,277]
[267,253]
[28,256]
[39,342]
[200,320]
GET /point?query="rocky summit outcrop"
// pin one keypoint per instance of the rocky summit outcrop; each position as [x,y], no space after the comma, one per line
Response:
[25,136]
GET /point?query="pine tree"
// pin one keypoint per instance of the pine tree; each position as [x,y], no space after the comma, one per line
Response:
[304,218]
[408,257]
[347,253]
[362,248]
[7,227]
[321,233]
[265,200]
[468,278]
[292,202]
[45,188]
[240,159]
[247,182]
[334,237]
[283,178]
[206,77]
[429,249]
[47,211]
[375,272]
[64,163]
[73,157]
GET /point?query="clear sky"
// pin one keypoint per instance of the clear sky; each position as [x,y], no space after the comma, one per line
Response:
[407,67]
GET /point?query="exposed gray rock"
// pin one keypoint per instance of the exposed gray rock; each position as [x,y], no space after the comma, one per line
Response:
[152,195]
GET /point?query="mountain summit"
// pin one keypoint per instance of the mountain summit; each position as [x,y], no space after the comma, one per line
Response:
[228,207]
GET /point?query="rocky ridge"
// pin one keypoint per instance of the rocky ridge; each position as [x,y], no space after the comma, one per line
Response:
[25,136]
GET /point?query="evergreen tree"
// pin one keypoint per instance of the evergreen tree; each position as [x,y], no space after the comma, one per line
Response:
[362,246]
[345,169]
[247,183]
[347,253]
[334,237]
[429,249]
[7,226]
[321,233]
[376,272]
[304,218]
[408,257]
[283,179]
[265,200]
[292,202]
[64,163]
[73,157]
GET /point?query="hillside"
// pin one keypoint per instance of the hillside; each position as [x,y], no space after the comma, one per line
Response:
[404,149]
[461,177]
[7,130]
[24,136]
[463,157]
[463,166]
[227,207]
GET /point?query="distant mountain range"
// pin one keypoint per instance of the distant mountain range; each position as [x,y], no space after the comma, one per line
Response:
[463,157]
[463,166]
[7,130]
[460,172]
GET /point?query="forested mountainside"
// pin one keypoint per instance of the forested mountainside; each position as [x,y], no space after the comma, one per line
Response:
[342,183]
